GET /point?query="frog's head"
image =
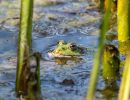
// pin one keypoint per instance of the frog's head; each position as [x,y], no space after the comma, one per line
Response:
[67,49]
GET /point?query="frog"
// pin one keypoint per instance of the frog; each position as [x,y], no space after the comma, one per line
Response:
[64,49]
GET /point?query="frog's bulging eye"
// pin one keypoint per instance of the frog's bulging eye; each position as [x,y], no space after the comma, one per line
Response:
[73,46]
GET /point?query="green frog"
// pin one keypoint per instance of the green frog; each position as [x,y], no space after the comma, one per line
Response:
[64,49]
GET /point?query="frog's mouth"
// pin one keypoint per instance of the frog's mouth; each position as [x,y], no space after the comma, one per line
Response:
[54,55]
[63,59]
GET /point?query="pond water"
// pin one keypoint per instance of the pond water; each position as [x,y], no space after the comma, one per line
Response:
[69,20]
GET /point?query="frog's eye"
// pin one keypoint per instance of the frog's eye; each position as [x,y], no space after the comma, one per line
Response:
[73,46]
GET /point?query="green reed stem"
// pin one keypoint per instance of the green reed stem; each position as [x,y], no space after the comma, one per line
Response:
[24,44]
[98,55]
[124,92]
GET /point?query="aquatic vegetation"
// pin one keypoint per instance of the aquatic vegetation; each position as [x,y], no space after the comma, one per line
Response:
[103,5]
[34,83]
[123,47]
[125,84]
[97,60]
[110,92]
[24,46]
[111,64]
[123,25]
[111,36]
[113,7]
[124,37]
